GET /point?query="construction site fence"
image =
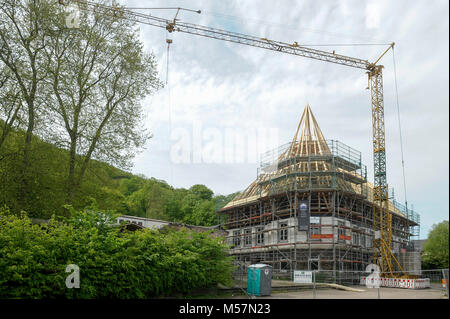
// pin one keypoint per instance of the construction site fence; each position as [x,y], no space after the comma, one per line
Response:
[436,280]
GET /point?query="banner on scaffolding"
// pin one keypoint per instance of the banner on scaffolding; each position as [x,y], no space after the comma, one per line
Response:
[314,220]
[303,215]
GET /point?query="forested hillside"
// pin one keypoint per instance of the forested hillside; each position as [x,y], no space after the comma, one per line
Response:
[108,187]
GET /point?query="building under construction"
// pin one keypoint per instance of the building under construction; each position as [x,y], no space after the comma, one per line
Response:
[311,207]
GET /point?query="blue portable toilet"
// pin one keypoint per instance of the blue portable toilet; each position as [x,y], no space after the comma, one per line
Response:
[259,280]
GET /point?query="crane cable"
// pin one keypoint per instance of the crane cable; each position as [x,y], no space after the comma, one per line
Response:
[169,41]
[400,129]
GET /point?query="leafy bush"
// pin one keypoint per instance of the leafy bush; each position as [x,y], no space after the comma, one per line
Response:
[113,264]
[435,249]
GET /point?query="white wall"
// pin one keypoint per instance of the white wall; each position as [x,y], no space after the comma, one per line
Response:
[144,222]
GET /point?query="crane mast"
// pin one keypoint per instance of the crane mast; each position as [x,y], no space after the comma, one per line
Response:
[382,217]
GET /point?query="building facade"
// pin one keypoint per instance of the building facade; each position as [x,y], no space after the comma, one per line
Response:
[266,223]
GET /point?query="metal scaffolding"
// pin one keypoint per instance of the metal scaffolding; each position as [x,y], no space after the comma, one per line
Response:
[263,221]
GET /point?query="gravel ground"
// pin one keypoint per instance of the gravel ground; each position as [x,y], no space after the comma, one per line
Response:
[367,293]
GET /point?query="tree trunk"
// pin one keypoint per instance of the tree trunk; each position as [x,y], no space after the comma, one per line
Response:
[25,187]
[71,177]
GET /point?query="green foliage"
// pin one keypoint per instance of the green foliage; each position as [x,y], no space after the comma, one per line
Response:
[112,264]
[222,200]
[435,254]
[152,198]
[201,191]
[110,187]
[47,171]
[200,213]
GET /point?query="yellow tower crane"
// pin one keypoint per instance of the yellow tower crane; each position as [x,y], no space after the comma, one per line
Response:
[382,217]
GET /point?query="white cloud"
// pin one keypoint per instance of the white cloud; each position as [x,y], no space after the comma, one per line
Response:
[373,14]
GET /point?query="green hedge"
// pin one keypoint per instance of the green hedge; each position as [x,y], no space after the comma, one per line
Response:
[113,264]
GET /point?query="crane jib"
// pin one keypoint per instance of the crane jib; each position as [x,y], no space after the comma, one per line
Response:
[219,34]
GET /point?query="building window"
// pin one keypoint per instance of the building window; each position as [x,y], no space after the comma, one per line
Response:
[369,241]
[396,247]
[315,231]
[355,239]
[248,237]
[236,238]
[362,240]
[140,223]
[260,236]
[283,232]
[341,230]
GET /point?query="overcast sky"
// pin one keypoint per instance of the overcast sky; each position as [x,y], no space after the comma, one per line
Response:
[217,89]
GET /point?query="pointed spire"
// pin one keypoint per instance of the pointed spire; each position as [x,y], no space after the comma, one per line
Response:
[308,140]
[311,140]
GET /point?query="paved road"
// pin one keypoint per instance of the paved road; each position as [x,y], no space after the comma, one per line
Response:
[385,293]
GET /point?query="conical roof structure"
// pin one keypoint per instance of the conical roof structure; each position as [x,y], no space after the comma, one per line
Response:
[308,139]
[307,153]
